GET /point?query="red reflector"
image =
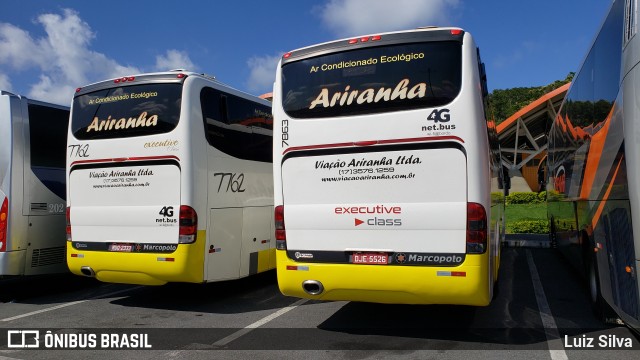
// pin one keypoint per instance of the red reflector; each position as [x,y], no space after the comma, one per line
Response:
[287,55]
[74,255]
[353,41]
[131,78]
[456,32]
[78,89]
[291,267]
[180,76]
[364,39]
[376,38]
[116,81]
[459,273]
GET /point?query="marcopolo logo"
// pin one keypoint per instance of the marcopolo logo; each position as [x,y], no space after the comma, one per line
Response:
[428,259]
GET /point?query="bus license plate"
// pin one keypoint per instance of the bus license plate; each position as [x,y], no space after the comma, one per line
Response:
[121,247]
[369,258]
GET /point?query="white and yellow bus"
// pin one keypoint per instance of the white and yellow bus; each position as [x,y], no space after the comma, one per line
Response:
[33,136]
[169,179]
[384,165]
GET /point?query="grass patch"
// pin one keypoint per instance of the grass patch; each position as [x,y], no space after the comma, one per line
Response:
[526,218]
[516,212]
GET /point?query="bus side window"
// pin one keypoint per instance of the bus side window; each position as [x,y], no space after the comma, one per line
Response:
[229,122]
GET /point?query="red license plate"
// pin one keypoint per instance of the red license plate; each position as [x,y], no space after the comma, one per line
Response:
[121,247]
[370,258]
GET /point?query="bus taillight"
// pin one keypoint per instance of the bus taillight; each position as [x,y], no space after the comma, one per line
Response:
[281,235]
[188,225]
[476,229]
[68,217]
[364,39]
[4,220]
[124,79]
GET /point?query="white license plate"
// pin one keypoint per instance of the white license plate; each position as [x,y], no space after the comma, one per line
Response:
[370,258]
[121,247]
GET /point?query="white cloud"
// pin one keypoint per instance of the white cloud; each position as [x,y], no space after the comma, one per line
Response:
[63,57]
[174,59]
[262,72]
[359,17]
[18,49]
[5,84]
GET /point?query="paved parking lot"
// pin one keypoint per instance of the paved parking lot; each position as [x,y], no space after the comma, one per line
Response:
[540,311]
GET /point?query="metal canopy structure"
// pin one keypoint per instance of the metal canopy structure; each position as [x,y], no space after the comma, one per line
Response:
[523,135]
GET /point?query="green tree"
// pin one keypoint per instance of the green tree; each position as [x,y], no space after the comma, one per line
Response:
[504,103]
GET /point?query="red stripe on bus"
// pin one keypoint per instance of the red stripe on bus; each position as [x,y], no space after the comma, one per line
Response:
[134,158]
[370,142]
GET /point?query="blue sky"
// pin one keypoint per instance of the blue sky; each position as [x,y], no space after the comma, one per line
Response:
[49,48]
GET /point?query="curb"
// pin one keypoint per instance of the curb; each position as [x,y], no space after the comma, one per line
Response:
[527,240]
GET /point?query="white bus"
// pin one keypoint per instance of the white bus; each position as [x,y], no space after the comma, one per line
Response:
[383,168]
[594,168]
[169,178]
[33,137]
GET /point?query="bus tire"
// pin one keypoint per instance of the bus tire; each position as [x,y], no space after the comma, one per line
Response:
[593,284]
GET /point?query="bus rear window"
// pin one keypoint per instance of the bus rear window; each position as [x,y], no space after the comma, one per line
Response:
[373,80]
[126,111]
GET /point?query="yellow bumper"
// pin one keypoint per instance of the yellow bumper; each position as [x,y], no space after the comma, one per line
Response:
[388,283]
[142,268]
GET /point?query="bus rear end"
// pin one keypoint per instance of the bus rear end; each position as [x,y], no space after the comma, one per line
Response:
[32,188]
[130,216]
[11,260]
[383,171]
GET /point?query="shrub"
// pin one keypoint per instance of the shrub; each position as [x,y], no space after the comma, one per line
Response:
[555,196]
[525,198]
[529,227]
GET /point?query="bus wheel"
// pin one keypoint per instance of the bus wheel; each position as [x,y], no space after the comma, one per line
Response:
[594,289]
